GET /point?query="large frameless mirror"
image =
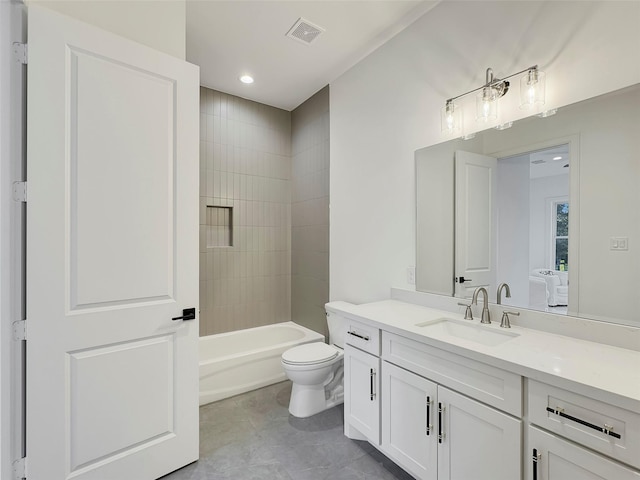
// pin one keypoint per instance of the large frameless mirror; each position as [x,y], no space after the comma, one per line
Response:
[549,206]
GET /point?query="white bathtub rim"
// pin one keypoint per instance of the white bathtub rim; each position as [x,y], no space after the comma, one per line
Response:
[308,338]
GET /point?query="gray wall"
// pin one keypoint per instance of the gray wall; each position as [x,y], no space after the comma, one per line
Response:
[310,212]
[245,163]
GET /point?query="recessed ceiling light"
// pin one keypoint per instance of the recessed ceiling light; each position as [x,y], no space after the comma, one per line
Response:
[557,158]
[246,79]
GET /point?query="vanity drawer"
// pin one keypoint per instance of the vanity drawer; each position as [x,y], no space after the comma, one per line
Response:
[363,336]
[583,419]
[490,385]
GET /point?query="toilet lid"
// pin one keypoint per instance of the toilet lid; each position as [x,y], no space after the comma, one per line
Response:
[310,353]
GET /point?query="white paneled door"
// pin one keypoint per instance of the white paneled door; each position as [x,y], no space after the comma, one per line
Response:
[112,245]
[476,189]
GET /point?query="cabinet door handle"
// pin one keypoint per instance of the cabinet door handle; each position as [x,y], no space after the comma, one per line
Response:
[372,378]
[361,337]
[536,458]
[607,429]
[441,409]
[428,415]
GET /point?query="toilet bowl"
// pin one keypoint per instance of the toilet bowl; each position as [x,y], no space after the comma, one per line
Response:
[316,372]
[315,369]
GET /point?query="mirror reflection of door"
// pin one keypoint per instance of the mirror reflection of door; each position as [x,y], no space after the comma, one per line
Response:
[533,228]
[475,225]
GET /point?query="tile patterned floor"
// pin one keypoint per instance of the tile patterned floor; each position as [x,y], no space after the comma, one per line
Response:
[252,436]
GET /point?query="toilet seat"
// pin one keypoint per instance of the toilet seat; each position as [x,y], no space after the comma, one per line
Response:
[310,354]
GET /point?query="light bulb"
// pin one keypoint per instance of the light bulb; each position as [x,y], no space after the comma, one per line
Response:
[532,89]
[451,116]
[487,105]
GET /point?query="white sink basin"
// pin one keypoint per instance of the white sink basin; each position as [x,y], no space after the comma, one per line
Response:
[481,334]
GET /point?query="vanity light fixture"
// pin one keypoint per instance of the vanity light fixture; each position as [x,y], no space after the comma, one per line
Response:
[531,94]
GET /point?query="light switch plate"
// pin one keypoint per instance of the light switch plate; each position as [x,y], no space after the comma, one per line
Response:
[619,243]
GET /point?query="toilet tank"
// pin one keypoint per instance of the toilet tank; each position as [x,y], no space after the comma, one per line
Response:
[336,322]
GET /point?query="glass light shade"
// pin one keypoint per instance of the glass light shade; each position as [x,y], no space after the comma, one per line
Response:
[451,118]
[487,105]
[532,89]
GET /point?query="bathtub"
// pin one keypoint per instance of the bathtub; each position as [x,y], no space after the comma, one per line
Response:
[236,362]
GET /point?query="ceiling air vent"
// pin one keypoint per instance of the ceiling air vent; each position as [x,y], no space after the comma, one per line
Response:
[304,31]
[538,162]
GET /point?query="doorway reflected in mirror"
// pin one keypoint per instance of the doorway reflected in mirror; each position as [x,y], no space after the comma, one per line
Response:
[532,234]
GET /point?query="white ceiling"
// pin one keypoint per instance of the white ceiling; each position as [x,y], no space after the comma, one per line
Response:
[230,38]
[542,163]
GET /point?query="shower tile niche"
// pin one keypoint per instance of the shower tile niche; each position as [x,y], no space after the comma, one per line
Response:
[219,226]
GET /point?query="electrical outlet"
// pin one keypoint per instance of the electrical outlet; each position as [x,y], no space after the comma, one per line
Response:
[619,243]
[411,275]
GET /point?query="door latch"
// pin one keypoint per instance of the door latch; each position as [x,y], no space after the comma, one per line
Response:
[187,314]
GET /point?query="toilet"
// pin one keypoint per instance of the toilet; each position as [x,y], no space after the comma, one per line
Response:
[316,371]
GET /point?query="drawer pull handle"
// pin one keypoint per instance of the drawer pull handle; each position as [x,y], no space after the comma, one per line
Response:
[536,458]
[429,426]
[607,429]
[362,337]
[372,377]
[440,429]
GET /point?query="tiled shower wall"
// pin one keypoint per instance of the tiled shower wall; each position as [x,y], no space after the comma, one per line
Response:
[245,164]
[310,212]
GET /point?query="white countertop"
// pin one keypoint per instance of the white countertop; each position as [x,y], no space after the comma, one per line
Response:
[608,373]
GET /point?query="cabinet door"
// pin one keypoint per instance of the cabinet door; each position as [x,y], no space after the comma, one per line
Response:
[478,442]
[561,460]
[409,430]
[361,388]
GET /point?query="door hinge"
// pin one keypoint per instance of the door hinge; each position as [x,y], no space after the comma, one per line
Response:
[20,468]
[20,191]
[20,330]
[20,52]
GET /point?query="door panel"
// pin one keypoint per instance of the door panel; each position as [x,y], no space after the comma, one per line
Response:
[475,221]
[143,406]
[409,421]
[121,207]
[361,390]
[561,460]
[112,255]
[479,442]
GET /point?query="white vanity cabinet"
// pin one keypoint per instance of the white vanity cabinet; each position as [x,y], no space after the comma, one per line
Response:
[362,383]
[552,458]
[586,422]
[460,413]
[479,442]
[409,421]
[436,433]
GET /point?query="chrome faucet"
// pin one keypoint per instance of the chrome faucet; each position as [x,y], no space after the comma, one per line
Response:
[486,316]
[506,287]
